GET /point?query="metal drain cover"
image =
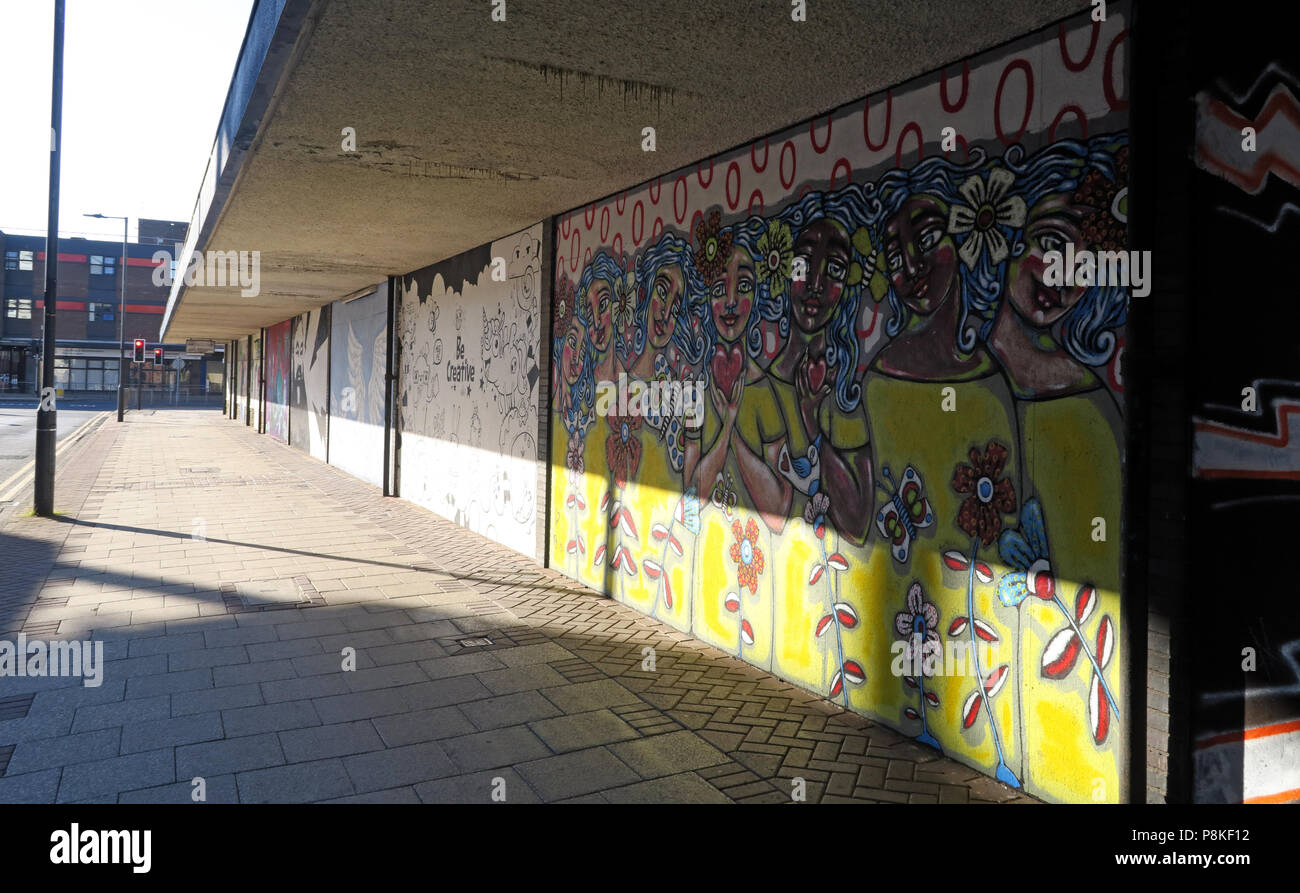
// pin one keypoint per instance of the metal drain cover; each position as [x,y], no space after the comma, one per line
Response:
[475,642]
[260,593]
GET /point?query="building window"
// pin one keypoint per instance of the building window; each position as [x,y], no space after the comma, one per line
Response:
[19,260]
[85,374]
[102,265]
[101,311]
[18,308]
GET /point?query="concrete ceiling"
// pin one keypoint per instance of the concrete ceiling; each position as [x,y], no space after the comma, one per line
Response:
[469,129]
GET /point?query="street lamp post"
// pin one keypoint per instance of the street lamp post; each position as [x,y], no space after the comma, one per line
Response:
[121,318]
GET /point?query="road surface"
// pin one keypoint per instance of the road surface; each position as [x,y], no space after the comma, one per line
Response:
[18,428]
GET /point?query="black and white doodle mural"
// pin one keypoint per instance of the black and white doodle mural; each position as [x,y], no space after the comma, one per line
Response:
[309,388]
[468,386]
[358,355]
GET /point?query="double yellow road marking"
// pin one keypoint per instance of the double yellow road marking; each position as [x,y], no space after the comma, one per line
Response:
[19,480]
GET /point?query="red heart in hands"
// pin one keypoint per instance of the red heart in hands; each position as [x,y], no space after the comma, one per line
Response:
[726,366]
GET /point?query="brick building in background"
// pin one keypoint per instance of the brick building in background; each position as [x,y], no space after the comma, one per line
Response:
[89,295]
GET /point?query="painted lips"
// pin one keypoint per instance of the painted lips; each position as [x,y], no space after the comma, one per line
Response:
[730,319]
[1047,299]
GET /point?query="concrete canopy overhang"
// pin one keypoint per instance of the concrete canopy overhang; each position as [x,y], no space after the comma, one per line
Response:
[468,129]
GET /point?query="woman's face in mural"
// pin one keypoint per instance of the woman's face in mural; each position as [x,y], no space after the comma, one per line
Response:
[921,256]
[665,302]
[731,298]
[824,247]
[571,354]
[1051,222]
[599,297]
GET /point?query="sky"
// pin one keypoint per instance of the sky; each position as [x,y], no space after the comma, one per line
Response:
[144,82]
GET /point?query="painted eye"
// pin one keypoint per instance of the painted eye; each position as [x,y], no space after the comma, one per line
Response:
[895,260]
[719,290]
[745,285]
[930,238]
[835,269]
[1051,241]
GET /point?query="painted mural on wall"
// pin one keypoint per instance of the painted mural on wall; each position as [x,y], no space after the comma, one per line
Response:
[277,380]
[1245,494]
[468,384]
[904,490]
[358,356]
[309,391]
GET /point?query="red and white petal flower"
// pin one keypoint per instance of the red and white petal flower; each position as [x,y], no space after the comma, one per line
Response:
[1061,653]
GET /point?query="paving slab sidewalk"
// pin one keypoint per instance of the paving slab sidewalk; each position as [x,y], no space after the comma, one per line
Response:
[230,578]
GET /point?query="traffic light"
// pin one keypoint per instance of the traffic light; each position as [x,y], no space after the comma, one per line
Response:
[139,350]
[157,356]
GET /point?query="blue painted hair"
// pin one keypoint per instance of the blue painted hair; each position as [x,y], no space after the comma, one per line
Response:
[980,288]
[1087,330]
[852,208]
[687,336]
[602,267]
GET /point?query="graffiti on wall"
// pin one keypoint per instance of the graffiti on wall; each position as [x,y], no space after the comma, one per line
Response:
[905,490]
[1246,459]
[358,358]
[309,391]
[277,380]
[468,384]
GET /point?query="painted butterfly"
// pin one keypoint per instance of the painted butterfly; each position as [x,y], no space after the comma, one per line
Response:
[723,495]
[907,510]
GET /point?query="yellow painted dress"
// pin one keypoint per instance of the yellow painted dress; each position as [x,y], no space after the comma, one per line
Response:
[726,611]
[1073,461]
[630,510]
[931,428]
[595,483]
[813,639]
[666,526]
[569,500]
[579,526]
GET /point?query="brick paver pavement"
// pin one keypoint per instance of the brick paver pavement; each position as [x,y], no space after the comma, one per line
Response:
[175,523]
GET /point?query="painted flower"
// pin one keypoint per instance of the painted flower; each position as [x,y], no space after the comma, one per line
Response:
[623,448]
[920,622]
[1026,550]
[990,207]
[577,416]
[980,514]
[815,513]
[657,412]
[563,306]
[875,268]
[776,256]
[573,456]
[625,302]
[712,248]
[747,555]
[1105,228]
